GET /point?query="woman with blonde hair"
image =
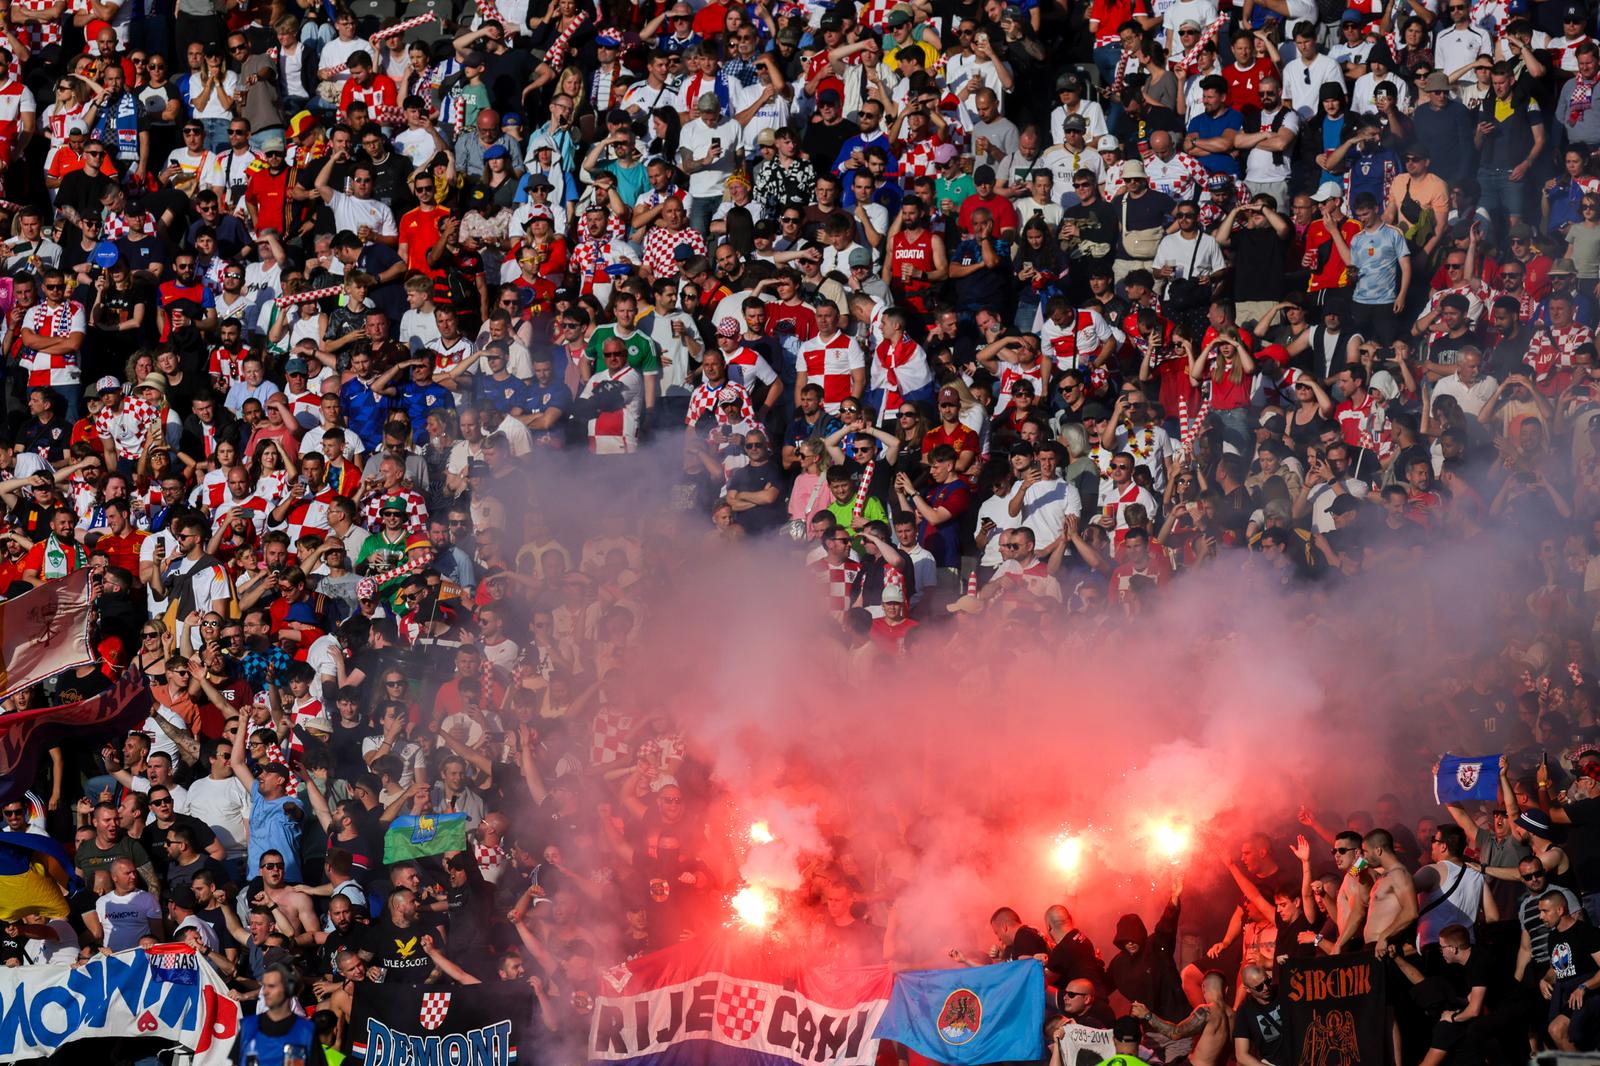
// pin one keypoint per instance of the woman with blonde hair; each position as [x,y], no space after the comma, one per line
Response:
[809,489]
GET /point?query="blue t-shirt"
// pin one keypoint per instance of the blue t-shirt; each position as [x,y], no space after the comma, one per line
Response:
[543,398]
[1207,126]
[1377,254]
[271,829]
[1371,172]
[419,400]
[503,395]
[364,412]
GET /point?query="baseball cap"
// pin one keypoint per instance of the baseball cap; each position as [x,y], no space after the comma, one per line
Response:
[1351,16]
[272,144]
[944,153]
[296,366]
[1069,80]
[1520,230]
[766,139]
[1344,505]
[1073,123]
[495,151]
[892,594]
[900,16]
[540,181]
[1328,190]
[789,35]
[108,384]
[1108,143]
[828,96]
[948,394]
[860,257]
[476,59]
[276,768]
[983,175]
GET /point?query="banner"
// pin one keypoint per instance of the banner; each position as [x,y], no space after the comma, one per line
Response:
[971,1015]
[35,875]
[25,735]
[1083,1045]
[732,998]
[44,632]
[1467,777]
[411,836]
[440,1025]
[167,992]
[1333,1008]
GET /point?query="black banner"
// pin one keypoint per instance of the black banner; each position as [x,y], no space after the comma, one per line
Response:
[1333,1008]
[441,1025]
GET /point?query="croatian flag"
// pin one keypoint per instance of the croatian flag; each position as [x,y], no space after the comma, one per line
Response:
[1467,777]
[729,998]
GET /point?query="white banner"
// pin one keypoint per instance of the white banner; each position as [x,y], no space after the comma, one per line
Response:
[1082,1044]
[167,992]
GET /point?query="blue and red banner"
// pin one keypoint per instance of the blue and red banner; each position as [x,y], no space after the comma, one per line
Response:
[736,1000]
[25,735]
[971,1015]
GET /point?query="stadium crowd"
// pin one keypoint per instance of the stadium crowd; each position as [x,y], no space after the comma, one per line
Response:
[981,315]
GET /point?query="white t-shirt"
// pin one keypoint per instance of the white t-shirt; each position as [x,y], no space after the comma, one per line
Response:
[1045,507]
[1258,162]
[224,805]
[213,107]
[1175,252]
[351,214]
[997,508]
[1203,12]
[696,137]
[126,918]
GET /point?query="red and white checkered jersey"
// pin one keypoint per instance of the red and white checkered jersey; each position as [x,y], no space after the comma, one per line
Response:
[416,510]
[126,426]
[1179,177]
[606,744]
[257,505]
[829,364]
[704,400]
[46,370]
[1075,345]
[843,581]
[37,35]
[492,861]
[875,15]
[659,245]
[591,257]
[1550,350]
[308,516]
[916,159]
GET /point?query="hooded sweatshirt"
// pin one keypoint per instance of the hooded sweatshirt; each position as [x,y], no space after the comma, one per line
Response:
[1149,975]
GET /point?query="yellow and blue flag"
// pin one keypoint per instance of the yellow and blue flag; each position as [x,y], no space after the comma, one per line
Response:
[973,1015]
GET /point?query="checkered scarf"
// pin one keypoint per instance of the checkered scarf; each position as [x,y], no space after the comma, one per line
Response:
[556,53]
[1582,97]
[1189,62]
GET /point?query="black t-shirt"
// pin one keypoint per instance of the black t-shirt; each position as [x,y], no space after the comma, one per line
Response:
[1263,1024]
[1074,958]
[1572,952]
[1260,272]
[1026,944]
[399,952]
[763,516]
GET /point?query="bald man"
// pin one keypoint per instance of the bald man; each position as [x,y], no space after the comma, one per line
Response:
[1209,1026]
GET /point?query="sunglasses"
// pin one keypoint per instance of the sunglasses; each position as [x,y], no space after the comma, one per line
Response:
[1343,851]
[272,866]
[1540,876]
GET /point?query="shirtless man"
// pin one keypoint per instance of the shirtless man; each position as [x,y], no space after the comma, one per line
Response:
[339,995]
[295,914]
[1210,1024]
[1391,909]
[1392,906]
[1350,906]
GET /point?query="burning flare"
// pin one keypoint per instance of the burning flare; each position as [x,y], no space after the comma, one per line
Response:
[754,906]
[1067,854]
[1170,840]
[760,833]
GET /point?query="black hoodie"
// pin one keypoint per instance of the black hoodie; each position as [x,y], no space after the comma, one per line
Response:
[1150,976]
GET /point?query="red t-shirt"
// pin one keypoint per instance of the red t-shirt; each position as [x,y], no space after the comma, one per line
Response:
[1005,216]
[1330,271]
[269,194]
[962,439]
[419,232]
[804,319]
[1244,86]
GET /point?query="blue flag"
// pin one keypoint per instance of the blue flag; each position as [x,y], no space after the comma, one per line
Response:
[972,1015]
[1467,777]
